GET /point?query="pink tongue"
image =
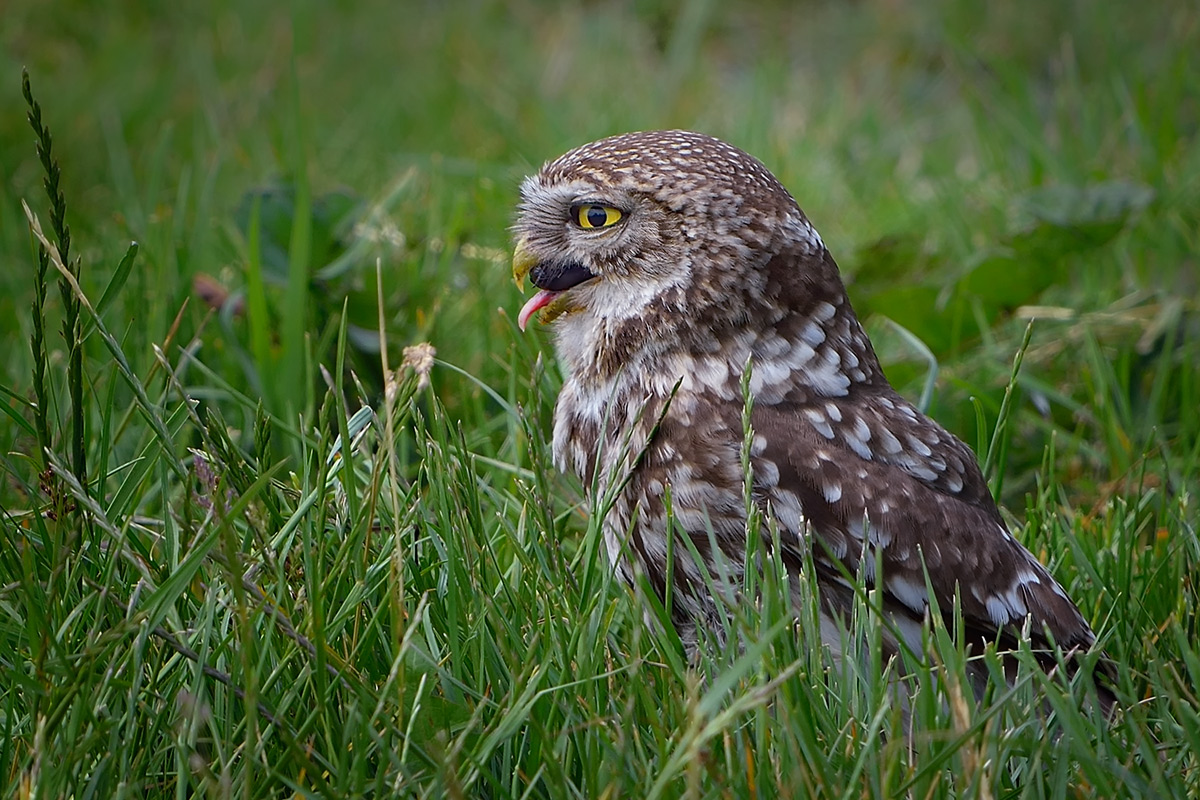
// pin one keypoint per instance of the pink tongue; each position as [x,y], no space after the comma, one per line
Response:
[531,307]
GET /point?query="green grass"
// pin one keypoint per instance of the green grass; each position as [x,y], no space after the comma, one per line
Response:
[280,579]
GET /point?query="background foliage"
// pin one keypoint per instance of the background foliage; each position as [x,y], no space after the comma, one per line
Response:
[235,602]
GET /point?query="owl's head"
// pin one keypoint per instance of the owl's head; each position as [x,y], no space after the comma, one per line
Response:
[651,226]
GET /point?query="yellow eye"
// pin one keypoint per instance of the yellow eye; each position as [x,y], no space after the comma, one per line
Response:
[594,216]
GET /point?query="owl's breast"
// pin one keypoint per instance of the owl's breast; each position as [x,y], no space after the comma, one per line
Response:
[661,434]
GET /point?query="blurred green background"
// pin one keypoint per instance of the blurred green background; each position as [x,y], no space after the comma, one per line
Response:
[964,163]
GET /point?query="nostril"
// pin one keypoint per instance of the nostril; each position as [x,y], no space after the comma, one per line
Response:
[559,276]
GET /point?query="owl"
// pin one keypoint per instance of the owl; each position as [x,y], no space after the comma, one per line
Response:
[679,276]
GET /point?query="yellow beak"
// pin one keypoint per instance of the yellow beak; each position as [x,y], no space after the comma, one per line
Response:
[523,261]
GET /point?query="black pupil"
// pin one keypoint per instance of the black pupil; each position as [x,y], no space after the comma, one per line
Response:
[597,217]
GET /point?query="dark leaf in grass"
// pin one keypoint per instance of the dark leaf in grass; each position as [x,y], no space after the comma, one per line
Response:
[1055,223]
[915,307]
[896,277]
[333,218]
[1066,207]
[890,277]
[1005,278]
[886,261]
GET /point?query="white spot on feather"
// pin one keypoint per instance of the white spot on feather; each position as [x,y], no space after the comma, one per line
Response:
[891,445]
[858,446]
[826,379]
[824,311]
[766,473]
[799,355]
[916,444]
[812,334]
[997,610]
[879,537]
[1027,576]
[786,508]
[921,473]
[768,373]
[818,421]
[906,591]
[855,528]
[867,565]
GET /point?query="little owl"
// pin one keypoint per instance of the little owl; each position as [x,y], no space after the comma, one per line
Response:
[670,263]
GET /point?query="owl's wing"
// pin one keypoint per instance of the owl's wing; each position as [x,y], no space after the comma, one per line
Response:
[871,466]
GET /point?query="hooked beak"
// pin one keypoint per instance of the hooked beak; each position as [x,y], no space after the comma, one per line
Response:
[523,261]
[553,279]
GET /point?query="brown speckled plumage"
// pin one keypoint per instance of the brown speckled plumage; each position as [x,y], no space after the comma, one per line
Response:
[712,266]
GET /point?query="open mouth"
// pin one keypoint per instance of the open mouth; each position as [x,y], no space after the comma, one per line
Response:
[559,277]
[552,279]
